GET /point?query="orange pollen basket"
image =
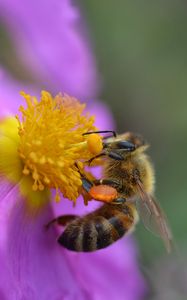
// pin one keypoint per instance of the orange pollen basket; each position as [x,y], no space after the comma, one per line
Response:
[103,193]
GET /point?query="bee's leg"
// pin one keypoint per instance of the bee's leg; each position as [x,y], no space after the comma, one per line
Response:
[61,220]
[118,154]
[119,200]
[86,184]
[111,182]
[115,155]
[103,153]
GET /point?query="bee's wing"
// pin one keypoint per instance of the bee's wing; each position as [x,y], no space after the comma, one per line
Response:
[153,217]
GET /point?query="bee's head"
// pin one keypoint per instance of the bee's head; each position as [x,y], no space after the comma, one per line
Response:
[134,138]
[125,145]
[140,144]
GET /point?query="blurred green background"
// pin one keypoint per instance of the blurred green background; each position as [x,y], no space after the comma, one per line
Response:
[141,51]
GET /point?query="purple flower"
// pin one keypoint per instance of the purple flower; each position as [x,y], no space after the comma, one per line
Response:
[33,265]
[47,36]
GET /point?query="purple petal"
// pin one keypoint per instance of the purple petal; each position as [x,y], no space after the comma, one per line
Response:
[9,95]
[47,35]
[116,265]
[40,269]
[104,119]
[10,98]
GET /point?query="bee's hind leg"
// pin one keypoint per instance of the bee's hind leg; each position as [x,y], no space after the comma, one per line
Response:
[61,220]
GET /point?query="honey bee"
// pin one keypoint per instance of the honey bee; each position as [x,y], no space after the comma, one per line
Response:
[128,174]
[128,169]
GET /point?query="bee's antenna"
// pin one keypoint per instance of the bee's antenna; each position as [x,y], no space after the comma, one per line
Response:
[101,131]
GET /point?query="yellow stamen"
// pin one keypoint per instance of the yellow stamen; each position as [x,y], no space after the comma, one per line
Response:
[51,141]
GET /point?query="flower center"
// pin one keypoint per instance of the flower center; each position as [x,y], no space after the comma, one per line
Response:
[51,141]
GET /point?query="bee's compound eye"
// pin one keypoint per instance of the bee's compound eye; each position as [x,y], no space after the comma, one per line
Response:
[128,146]
[95,144]
[103,193]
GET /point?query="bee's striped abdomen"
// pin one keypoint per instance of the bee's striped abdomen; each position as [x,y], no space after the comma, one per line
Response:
[118,225]
[97,230]
[104,232]
[71,236]
[89,236]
